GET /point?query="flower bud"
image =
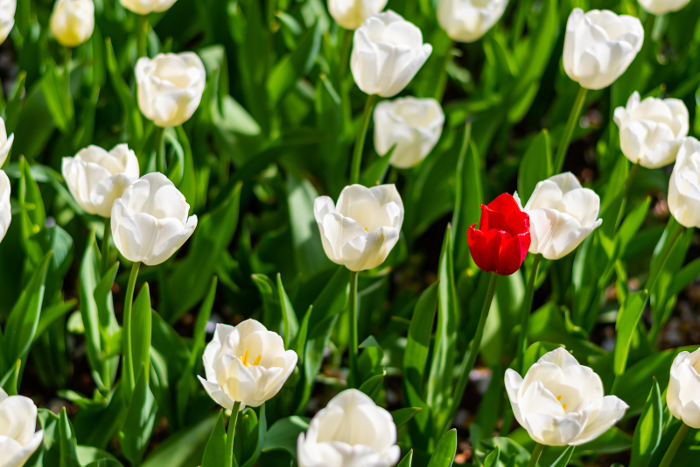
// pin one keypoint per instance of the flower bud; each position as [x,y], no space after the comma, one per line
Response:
[170,87]
[5,143]
[469,20]
[18,441]
[412,125]
[684,185]
[149,221]
[683,395]
[350,14]
[599,46]
[7,18]
[387,53]
[661,7]
[5,207]
[144,7]
[73,21]
[96,178]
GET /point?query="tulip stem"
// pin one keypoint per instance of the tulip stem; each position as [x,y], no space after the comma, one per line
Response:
[525,312]
[536,453]
[159,150]
[442,81]
[675,444]
[105,246]
[354,339]
[569,130]
[228,460]
[625,194]
[470,356]
[344,56]
[360,141]
[126,333]
[142,36]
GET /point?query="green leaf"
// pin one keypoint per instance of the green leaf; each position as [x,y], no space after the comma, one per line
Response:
[284,435]
[184,449]
[407,460]
[492,459]
[66,442]
[137,350]
[132,115]
[140,419]
[215,451]
[649,430]
[402,416]
[563,460]
[188,182]
[468,210]
[627,321]
[535,166]
[10,381]
[289,317]
[445,451]
[372,386]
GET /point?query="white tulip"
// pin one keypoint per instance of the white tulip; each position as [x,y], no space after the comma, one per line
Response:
[351,431]
[363,228]
[5,142]
[144,7]
[73,21]
[651,131]
[96,178]
[5,206]
[684,185]
[387,53]
[18,441]
[170,87]
[7,18]
[683,395]
[350,14]
[599,46]
[413,125]
[469,20]
[561,402]
[149,221]
[661,7]
[562,214]
[247,364]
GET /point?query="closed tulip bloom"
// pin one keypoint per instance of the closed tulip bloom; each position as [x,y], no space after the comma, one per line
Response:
[360,231]
[387,53]
[350,14]
[7,18]
[18,441]
[684,185]
[5,206]
[683,395]
[144,7]
[501,242]
[96,178]
[469,20]
[599,46]
[73,21]
[5,143]
[149,221]
[661,7]
[412,125]
[562,214]
[651,131]
[246,364]
[562,403]
[351,431]
[170,87]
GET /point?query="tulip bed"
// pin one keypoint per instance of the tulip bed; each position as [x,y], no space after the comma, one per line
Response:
[349,233]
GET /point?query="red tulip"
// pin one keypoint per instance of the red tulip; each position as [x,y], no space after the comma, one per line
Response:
[501,242]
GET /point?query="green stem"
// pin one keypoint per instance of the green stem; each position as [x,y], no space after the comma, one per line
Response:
[142,36]
[536,453]
[442,81]
[160,152]
[663,256]
[525,312]
[346,45]
[470,357]
[68,54]
[360,141]
[128,302]
[569,129]
[105,246]
[673,447]
[231,434]
[625,194]
[354,339]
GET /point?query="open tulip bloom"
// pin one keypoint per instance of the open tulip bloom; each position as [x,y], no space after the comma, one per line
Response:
[683,395]
[562,403]
[684,186]
[5,142]
[73,21]
[144,7]
[469,20]
[5,206]
[661,7]
[7,18]
[502,240]
[350,14]
[18,441]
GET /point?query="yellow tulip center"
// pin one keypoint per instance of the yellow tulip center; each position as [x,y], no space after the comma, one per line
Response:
[244,359]
[563,405]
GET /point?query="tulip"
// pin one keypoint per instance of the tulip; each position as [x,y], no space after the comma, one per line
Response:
[684,185]
[411,126]
[96,178]
[18,441]
[5,142]
[599,46]
[363,228]
[351,431]
[144,7]
[170,87]
[387,53]
[469,20]
[661,7]
[149,221]
[561,402]
[562,214]
[350,14]
[501,242]
[652,131]
[5,207]
[246,364]
[683,395]
[73,21]
[7,18]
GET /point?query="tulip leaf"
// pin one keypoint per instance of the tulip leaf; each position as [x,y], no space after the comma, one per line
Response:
[492,460]
[445,451]
[649,430]
[66,442]
[407,460]
[299,342]
[140,419]
[375,173]
[283,434]
[470,194]
[183,449]
[138,333]
[132,115]
[215,452]
[289,318]
[10,381]
[402,416]
[188,182]
[535,166]
[373,385]
[563,460]
[627,321]
[57,95]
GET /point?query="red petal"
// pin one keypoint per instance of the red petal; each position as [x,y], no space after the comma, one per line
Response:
[505,204]
[484,247]
[513,253]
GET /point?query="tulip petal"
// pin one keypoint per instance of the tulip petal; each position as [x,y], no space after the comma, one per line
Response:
[18,418]
[370,250]
[552,431]
[611,411]
[215,392]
